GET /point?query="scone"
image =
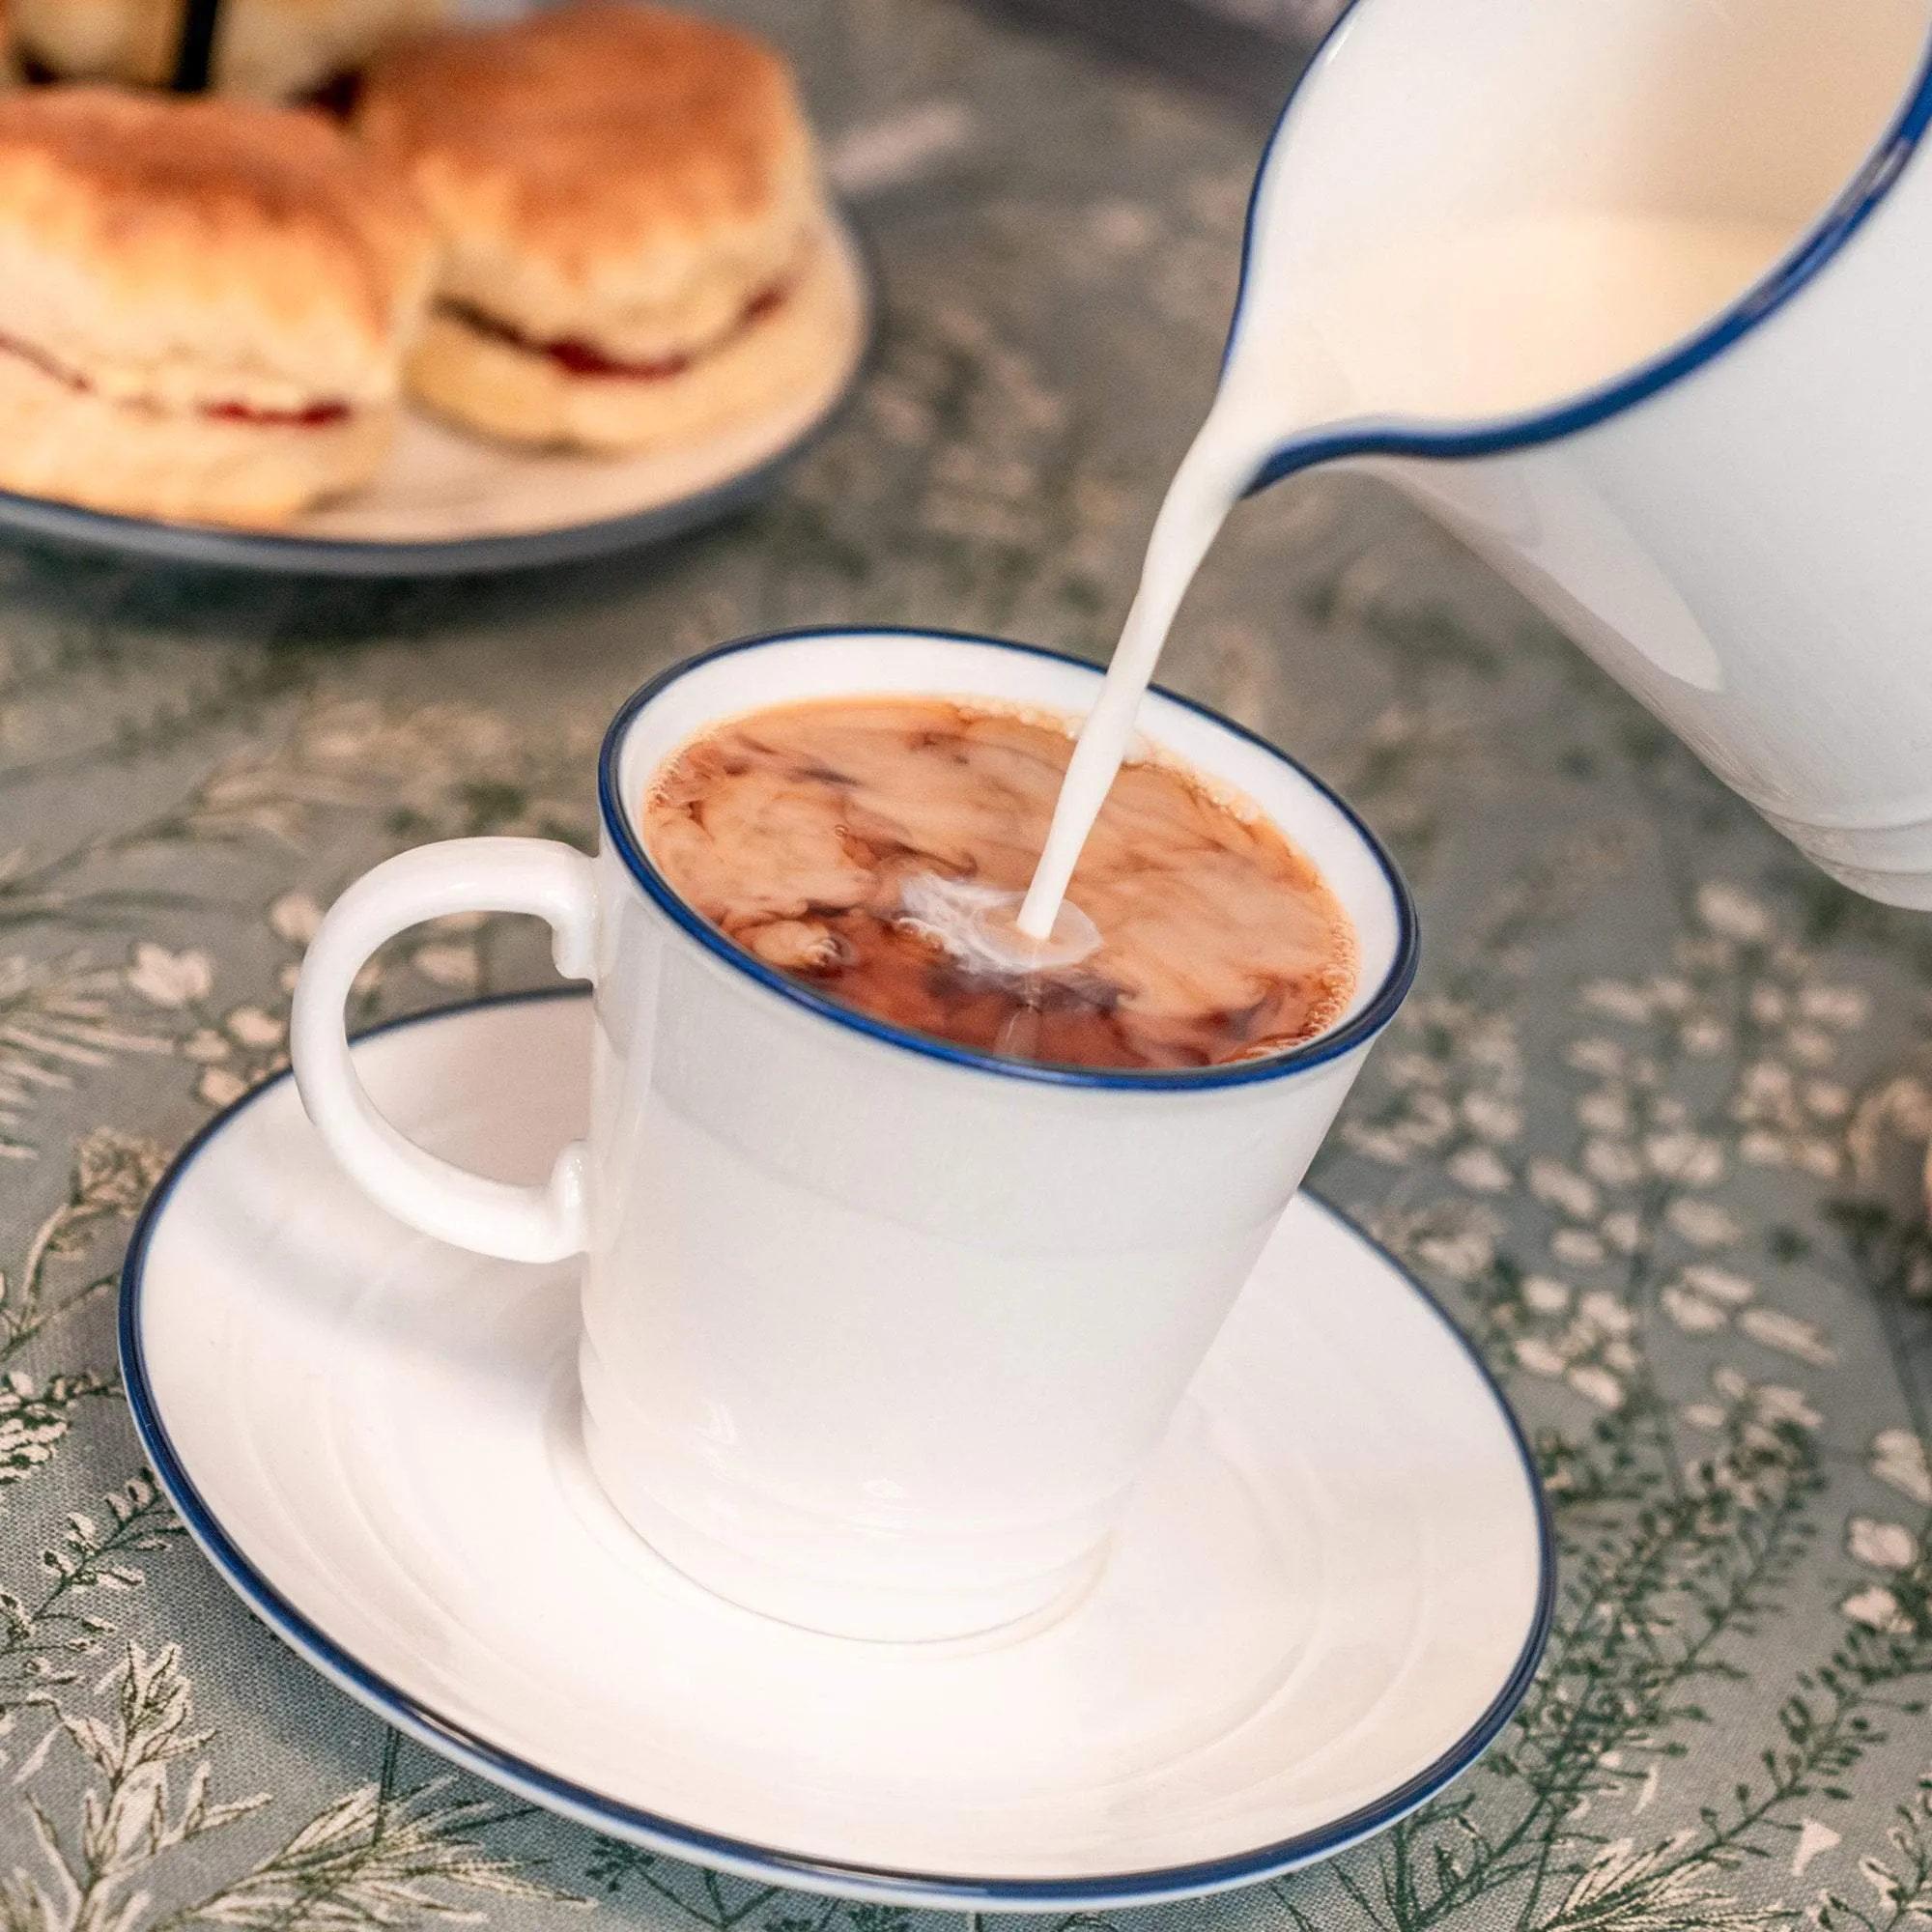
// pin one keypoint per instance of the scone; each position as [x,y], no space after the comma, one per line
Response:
[203,304]
[634,236]
[266,50]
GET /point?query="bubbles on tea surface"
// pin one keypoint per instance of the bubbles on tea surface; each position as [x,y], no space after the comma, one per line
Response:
[977,925]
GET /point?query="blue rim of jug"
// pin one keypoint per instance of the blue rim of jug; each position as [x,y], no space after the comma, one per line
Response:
[1354,1031]
[769,1863]
[1386,435]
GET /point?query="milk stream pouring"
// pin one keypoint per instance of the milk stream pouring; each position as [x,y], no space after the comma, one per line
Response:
[1553,269]
[1487,321]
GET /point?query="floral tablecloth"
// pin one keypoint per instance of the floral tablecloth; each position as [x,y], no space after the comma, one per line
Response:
[1651,1126]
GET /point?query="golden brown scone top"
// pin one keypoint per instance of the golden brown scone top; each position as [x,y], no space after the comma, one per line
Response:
[166,247]
[602,165]
[595,116]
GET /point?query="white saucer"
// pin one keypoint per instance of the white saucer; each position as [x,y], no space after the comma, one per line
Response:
[1327,1599]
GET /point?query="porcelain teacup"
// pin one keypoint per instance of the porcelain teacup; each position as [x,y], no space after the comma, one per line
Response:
[877,1331]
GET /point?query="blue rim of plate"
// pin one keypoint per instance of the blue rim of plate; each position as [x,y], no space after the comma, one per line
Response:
[765,1863]
[1353,1033]
[1867,188]
[207,546]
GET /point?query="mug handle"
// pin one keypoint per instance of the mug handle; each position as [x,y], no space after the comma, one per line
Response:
[491,1217]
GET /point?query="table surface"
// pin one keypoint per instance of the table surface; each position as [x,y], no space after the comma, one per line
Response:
[1651,1125]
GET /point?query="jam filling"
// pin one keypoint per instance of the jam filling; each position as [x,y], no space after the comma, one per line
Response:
[578,357]
[312,415]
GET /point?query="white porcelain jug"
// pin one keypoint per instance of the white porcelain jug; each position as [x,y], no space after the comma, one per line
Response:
[1740,529]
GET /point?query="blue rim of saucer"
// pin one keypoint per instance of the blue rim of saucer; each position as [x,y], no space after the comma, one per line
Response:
[1352,1033]
[280,554]
[1854,204]
[765,1863]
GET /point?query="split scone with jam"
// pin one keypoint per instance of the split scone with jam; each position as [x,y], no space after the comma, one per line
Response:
[636,246]
[203,304]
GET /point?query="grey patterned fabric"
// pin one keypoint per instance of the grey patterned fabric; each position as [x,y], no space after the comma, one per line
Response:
[1292,19]
[1653,1127]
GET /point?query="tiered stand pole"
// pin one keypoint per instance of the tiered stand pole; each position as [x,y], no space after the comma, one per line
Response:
[194,57]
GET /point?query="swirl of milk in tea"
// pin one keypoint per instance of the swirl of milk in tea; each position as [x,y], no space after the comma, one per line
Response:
[874,849]
[1477,321]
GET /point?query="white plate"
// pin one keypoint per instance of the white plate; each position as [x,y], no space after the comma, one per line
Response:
[447,503]
[1329,1594]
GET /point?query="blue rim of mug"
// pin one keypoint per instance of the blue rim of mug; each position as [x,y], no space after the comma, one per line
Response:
[763,1863]
[1353,1033]
[1853,206]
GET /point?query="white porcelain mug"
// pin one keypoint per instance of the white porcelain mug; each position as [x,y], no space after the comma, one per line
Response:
[877,1330]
